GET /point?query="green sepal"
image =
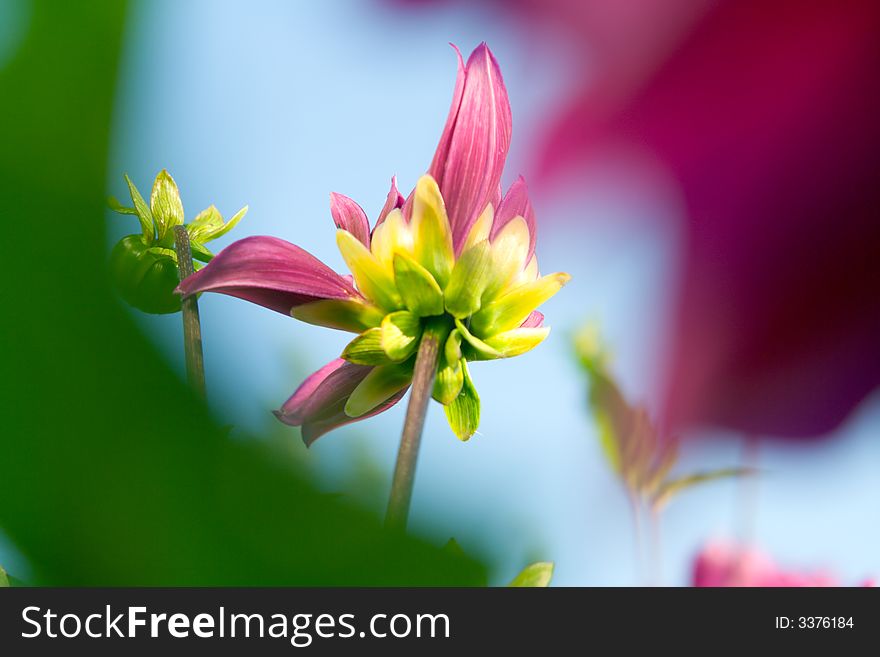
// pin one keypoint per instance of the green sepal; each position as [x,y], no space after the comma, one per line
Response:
[535,575]
[200,252]
[481,350]
[517,341]
[378,386]
[511,309]
[116,206]
[463,413]
[209,224]
[353,316]
[165,204]
[366,349]
[145,216]
[373,279]
[450,376]
[420,292]
[468,280]
[400,335]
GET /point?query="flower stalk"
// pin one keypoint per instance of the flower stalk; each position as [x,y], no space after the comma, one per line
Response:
[424,374]
[192,327]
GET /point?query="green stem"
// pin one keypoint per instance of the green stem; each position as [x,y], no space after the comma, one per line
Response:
[192,327]
[405,469]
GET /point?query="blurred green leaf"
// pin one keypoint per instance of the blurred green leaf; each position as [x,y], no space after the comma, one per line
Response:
[94,491]
[671,487]
[536,575]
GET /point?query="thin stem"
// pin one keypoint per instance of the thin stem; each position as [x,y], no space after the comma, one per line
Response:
[747,502]
[656,559]
[637,536]
[407,454]
[192,327]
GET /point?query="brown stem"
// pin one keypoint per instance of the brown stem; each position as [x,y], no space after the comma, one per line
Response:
[192,327]
[405,469]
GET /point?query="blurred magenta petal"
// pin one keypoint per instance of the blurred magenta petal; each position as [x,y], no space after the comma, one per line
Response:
[765,114]
[473,146]
[726,564]
[392,202]
[349,216]
[318,404]
[516,204]
[270,272]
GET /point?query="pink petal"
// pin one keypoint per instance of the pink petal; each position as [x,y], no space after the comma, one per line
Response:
[349,216]
[534,320]
[516,204]
[318,404]
[394,201]
[473,147]
[269,272]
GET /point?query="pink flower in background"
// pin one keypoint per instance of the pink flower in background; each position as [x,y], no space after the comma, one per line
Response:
[765,115]
[726,564]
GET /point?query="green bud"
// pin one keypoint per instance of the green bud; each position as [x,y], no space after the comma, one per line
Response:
[145,277]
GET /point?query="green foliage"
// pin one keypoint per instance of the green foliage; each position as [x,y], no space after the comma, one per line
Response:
[630,441]
[536,575]
[94,490]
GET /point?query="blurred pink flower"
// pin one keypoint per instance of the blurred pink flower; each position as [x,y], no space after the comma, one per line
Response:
[725,564]
[766,115]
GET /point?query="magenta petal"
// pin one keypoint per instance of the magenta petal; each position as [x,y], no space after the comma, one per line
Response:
[473,147]
[349,216]
[534,320]
[318,405]
[395,200]
[269,272]
[516,204]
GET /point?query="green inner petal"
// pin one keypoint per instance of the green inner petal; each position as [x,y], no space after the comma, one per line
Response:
[377,387]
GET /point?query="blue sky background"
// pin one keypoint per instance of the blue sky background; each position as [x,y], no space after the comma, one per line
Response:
[275,104]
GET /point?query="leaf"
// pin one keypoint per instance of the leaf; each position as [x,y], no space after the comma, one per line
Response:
[672,487]
[535,575]
[4,579]
[452,547]
[116,206]
[145,216]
